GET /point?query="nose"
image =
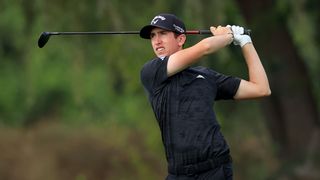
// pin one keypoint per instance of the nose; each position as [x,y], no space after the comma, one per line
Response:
[156,39]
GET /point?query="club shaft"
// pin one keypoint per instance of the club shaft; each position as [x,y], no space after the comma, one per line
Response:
[247,31]
[119,32]
[93,33]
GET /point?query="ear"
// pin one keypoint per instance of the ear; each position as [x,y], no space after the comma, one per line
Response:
[182,39]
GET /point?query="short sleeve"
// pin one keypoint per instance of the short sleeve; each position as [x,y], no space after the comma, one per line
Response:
[227,86]
[154,74]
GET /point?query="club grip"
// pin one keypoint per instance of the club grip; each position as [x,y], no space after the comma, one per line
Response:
[246,32]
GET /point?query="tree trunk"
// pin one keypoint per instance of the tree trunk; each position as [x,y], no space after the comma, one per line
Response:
[291,112]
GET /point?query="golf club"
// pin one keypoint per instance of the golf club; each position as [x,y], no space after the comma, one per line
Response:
[44,37]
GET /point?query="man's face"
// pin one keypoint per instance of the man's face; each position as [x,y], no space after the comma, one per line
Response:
[165,43]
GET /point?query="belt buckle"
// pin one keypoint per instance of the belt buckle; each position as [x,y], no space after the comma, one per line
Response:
[190,170]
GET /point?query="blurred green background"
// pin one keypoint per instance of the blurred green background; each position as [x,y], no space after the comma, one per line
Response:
[75,109]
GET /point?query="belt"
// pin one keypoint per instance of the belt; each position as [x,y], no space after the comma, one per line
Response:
[193,169]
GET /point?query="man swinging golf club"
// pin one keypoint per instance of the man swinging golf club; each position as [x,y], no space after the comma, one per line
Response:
[182,97]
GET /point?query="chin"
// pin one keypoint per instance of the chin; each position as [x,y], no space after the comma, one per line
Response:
[162,55]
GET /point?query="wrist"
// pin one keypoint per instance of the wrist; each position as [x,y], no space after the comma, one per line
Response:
[231,37]
[245,39]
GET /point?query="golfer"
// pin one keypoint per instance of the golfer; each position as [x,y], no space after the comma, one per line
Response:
[182,97]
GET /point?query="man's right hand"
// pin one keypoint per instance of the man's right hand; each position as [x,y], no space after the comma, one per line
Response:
[220,30]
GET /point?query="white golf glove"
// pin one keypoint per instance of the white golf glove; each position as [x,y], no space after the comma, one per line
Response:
[239,38]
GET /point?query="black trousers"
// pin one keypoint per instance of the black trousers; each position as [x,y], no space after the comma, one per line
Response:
[224,172]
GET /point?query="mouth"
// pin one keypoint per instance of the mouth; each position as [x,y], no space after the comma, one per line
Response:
[160,49]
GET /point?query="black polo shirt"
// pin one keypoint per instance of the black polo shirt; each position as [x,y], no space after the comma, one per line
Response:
[183,106]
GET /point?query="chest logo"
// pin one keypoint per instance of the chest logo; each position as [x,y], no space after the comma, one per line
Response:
[200,77]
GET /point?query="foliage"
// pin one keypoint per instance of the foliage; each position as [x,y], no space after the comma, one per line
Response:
[92,80]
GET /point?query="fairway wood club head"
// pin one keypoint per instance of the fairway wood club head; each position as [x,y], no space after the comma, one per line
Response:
[43,39]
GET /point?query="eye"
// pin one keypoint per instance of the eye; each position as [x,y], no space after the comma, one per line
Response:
[152,35]
[164,32]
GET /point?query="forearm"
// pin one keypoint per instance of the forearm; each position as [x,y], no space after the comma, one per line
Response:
[256,70]
[217,42]
[186,57]
[257,85]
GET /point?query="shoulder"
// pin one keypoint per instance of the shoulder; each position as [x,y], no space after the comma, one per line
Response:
[154,63]
[154,73]
[206,71]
